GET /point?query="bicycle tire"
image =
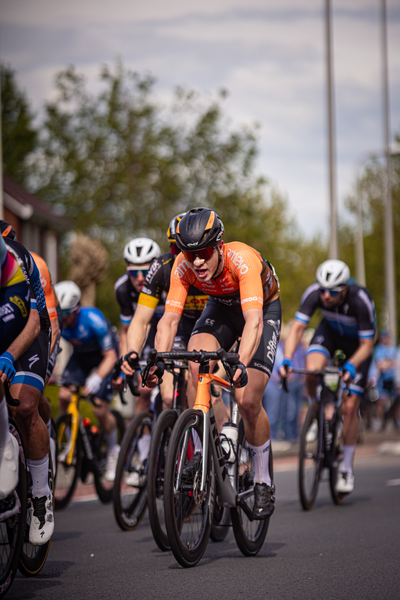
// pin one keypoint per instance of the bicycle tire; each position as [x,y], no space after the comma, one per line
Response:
[66,475]
[33,558]
[103,487]
[249,535]
[186,512]
[310,458]
[130,503]
[337,456]
[12,529]
[155,476]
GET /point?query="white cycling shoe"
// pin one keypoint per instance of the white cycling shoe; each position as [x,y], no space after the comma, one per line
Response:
[42,520]
[344,483]
[135,479]
[112,459]
[9,467]
[312,432]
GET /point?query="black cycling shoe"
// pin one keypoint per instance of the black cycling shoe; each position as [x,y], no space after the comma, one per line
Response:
[264,500]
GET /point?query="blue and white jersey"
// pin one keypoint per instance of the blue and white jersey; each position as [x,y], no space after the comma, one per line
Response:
[30,271]
[354,318]
[91,332]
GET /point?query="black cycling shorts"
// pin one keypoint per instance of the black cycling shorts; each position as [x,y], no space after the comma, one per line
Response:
[226,325]
[78,369]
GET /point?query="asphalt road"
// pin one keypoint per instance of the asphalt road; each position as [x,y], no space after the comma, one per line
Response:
[332,552]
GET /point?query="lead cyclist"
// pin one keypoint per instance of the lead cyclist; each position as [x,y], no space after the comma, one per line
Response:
[243,306]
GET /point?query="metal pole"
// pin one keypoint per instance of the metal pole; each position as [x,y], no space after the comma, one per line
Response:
[390,273]
[333,243]
[360,258]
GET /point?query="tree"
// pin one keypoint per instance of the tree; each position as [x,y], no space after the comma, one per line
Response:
[372,192]
[120,165]
[19,136]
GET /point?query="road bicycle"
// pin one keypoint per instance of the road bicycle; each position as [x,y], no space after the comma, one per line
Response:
[321,442]
[16,551]
[82,449]
[194,498]
[377,411]
[133,489]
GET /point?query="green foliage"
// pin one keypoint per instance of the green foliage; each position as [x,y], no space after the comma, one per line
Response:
[372,193]
[19,136]
[119,164]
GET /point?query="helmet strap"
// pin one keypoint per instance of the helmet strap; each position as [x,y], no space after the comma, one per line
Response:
[215,276]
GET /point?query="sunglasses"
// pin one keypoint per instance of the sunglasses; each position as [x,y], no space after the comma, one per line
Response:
[136,272]
[333,292]
[204,254]
[174,249]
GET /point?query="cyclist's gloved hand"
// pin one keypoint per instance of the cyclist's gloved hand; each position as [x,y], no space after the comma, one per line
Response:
[93,383]
[243,379]
[350,368]
[7,365]
[287,364]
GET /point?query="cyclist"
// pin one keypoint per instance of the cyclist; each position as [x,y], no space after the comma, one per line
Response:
[385,359]
[348,324]
[92,360]
[243,303]
[138,254]
[55,316]
[24,347]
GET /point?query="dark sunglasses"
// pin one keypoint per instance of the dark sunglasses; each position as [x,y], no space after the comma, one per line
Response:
[334,292]
[204,254]
[136,272]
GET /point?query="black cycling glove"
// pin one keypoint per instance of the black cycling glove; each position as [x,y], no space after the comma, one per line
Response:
[243,379]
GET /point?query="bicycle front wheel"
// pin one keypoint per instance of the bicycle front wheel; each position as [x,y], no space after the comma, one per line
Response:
[311,457]
[104,487]
[130,486]
[249,535]
[155,479]
[12,526]
[337,458]
[66,475]
[187,506]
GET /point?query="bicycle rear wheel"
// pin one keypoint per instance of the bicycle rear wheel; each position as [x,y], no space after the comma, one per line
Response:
[337,457]
[104,488]
[33,558]
[311,457]
[249,535]
[186,507]
[12,522]
[66,475]
[220,523]
[130,501]
[155,480]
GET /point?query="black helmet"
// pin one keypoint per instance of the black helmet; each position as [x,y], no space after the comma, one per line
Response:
[7,230]
[200,228]
[171,233]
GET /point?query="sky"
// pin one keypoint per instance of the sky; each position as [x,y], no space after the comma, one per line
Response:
[270,56]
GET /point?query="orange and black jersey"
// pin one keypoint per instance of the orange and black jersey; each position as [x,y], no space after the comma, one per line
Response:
[247,280]
[157,286]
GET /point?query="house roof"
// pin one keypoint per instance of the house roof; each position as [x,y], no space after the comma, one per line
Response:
[29,207]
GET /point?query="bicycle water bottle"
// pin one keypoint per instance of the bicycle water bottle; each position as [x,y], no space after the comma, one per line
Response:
[229,436]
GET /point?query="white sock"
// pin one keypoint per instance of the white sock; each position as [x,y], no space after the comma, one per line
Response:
[144,446]
[112,441]
[5,434]
[348,454]
[39,472]
[260,456]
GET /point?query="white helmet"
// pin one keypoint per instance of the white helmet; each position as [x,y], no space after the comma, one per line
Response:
[333,273]
[68,295]
[141,250]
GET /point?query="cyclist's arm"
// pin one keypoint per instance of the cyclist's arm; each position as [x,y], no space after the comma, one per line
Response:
[107,364]
[364,351]
[166,331]
[138,328]
[26,337]
[122,346]
[292,341]
[251,335]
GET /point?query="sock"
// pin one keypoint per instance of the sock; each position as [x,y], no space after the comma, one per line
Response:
[5,434]
[348,454]
[40,476]
[144,446]
[260,456]
[112,441]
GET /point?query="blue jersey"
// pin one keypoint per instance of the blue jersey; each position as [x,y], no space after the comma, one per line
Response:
[91,332]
